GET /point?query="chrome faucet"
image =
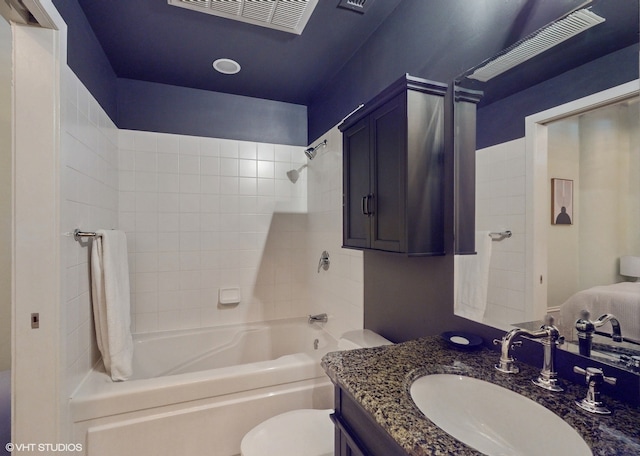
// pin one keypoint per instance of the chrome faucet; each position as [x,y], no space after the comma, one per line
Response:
[320,318]
[550,338]
[616,333]
[595,379]
[586,328]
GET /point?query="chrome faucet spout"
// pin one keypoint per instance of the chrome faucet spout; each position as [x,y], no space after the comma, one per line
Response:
[550,338]
[616,333]
[586,328]
[507,362]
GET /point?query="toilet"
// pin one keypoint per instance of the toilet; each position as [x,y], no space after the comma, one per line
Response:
[306,432]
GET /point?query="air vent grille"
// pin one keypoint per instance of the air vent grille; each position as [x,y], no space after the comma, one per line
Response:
[286,15]
[546,38]
[202,3]
[258,11]
[355,5]
[224,7]
[290,15]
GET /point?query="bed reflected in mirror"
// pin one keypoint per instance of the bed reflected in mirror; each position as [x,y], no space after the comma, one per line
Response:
[591,261]
[585,265]
[581,154]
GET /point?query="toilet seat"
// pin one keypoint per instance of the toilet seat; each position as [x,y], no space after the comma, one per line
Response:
[299,432]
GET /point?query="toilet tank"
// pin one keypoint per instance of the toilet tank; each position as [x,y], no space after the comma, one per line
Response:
[361,338]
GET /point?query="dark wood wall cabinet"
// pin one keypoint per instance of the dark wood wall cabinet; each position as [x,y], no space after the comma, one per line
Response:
[464,177]
[393,152]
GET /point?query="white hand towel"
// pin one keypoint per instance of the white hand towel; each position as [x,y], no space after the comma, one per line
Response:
[472,279]
[111,304]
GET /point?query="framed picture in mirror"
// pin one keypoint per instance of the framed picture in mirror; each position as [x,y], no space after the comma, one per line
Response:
[561,202]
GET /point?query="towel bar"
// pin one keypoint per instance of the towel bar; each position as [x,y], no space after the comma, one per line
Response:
[500,235]
[78,234]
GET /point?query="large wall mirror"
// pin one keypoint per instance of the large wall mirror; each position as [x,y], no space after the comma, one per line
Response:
[557,197]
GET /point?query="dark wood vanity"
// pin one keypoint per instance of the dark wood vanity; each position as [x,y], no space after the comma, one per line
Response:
[375,415]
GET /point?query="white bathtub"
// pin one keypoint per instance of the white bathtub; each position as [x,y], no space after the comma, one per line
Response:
[197,392]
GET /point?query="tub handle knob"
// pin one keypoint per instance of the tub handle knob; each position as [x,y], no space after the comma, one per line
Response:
[324,261]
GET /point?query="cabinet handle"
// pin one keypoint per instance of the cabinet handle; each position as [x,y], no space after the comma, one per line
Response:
[365,205]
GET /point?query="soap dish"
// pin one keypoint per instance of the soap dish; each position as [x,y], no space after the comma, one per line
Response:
[462,340]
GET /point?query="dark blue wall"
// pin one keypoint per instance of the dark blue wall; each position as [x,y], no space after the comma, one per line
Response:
[436,40]
[170,109]
[139,105]
[504,120]
[405,43]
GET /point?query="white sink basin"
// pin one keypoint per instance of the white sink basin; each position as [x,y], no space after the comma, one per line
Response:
[492,419]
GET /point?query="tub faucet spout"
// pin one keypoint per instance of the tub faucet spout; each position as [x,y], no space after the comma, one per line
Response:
[319,318]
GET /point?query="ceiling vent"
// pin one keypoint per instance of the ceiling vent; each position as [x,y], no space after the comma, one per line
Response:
[284,15]
[538,42]
[360,6]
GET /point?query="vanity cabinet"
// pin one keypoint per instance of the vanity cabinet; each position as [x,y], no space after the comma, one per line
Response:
[393,174]
[356,432]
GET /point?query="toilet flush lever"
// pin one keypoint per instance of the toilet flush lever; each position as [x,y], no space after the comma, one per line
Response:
[324,261]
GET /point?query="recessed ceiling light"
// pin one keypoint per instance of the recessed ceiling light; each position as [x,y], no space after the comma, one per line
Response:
[226,66]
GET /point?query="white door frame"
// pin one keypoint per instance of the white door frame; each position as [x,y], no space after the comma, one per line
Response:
[38,386]
[538,188]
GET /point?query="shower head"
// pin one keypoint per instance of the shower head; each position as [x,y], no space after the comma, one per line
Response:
[294,174]
[312,151]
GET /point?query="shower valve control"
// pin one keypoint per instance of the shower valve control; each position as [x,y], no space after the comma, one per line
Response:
[324,261]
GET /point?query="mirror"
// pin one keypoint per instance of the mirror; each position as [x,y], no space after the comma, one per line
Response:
[543,263]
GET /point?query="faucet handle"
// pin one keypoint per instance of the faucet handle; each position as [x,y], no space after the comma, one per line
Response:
[595,378]
[324,262]
[595,374]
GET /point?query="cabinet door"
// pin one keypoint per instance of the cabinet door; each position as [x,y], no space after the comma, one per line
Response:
[356,196]
[388,171]
[345,444]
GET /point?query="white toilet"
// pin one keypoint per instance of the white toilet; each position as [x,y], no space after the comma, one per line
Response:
[305,432]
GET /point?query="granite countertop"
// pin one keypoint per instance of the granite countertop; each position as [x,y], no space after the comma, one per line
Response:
[380,378]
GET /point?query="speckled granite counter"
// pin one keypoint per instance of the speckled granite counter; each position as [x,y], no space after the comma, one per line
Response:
[379,379]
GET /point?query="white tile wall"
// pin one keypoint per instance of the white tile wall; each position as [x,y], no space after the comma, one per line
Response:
[203,214]
[89,200]
[500,205]
[339,291]
[200,214]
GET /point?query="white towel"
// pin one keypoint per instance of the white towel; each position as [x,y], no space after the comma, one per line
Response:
[111,305]
[472,279]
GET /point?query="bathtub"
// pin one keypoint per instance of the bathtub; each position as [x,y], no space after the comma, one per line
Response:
[197,392]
